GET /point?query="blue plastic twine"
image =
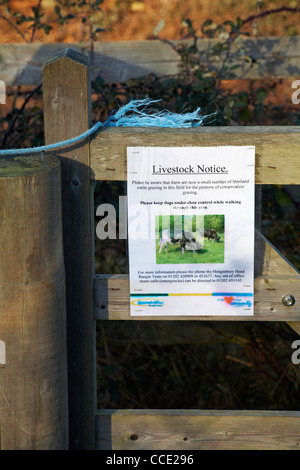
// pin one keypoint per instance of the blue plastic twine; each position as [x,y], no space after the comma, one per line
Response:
[137,118]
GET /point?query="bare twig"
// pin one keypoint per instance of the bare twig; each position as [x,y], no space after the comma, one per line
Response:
[270,12]
[12,124]
[240,361]
[34,24]
[14,26]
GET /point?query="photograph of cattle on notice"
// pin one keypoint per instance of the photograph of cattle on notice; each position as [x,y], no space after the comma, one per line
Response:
[199,239]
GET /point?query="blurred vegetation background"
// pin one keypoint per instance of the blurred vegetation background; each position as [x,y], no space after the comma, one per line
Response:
[208,365]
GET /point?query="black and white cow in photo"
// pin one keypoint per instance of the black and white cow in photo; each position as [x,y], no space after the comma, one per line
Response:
[189,242]
[211,234]
[186,240]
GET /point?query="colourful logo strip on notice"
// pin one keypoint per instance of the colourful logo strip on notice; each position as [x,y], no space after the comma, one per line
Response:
[236,294]
[234,299]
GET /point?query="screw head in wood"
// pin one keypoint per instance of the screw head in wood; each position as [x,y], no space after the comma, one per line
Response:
[288,300]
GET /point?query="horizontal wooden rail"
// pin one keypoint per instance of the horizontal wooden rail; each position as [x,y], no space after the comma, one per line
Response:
[275,277]
[21,64]
[277,149]
[111,301]
[197,430]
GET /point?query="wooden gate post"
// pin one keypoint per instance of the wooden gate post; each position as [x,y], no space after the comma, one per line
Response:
[33,356]
[67,114]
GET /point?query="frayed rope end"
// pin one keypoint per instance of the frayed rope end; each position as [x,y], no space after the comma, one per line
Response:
[136,114]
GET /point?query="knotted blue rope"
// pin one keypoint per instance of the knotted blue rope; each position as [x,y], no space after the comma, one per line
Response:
[137,118]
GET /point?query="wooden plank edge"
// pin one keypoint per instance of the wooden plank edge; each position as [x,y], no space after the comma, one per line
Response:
[276,57]
[67,112]
[197,430]
[109,161]
[195,412]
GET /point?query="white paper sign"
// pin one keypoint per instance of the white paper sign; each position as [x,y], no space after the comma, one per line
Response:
[191,230]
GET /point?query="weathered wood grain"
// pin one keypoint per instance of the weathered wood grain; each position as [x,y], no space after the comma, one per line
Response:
[197,430]
[21,64]
[33,375]
[276,148]
[66,86]
[269,262]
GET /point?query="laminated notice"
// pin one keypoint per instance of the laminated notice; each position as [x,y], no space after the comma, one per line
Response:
[191,215]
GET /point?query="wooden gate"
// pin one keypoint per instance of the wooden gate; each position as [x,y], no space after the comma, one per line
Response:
[90,297]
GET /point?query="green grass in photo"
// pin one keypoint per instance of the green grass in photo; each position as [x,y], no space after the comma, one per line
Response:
[211,252]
